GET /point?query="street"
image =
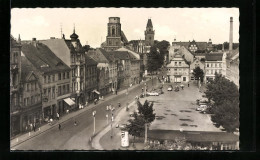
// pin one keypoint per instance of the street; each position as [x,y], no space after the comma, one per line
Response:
[77,137]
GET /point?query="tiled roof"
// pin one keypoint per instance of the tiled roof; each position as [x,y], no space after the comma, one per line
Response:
[185,44]
[97,55]
[89,61]
[26,68]
[62,48]
[122,55]
[43,58]
[214,56]
[233,53]
[202,45]
[136,55]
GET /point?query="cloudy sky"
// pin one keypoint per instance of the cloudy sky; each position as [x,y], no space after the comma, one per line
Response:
[185,24]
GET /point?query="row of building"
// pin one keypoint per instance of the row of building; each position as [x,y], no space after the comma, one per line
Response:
[49,77]
[183,58]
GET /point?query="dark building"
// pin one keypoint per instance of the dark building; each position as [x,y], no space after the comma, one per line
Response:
[149,33]
[91,84]
[31,105]
[15,79]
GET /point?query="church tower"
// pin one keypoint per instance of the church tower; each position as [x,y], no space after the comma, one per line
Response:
[113,39]
[149,33]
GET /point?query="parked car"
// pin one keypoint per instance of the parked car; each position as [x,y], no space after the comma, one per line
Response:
[201,108]
[169,88]
[153,93]
[122,126]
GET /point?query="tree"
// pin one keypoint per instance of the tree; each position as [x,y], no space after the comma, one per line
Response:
[154,60]
[225,108]
[87,48]
[221,89]
[146,111]
[136,126]
[198,73]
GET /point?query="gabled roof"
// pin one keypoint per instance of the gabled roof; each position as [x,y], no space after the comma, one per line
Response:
[149,23]
[26,69]
[123,37]
[97,55]
[89,61]
[62,48]
[136,55]
[122,55]
[214,56]
[43,58]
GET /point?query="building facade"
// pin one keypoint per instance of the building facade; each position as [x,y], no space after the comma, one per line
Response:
[178,70]
[53,76]
[31,97]
[71,52]
[91,88]
[15,78]
[232,71]
[214,63]
[115,36]
[196,63]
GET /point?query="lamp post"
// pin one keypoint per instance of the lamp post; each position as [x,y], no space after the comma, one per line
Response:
[112,119]
[94,113]
[145,89]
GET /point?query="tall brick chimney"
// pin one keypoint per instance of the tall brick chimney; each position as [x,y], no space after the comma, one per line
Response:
[231,35]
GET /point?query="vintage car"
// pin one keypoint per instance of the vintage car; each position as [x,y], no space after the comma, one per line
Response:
[153,93]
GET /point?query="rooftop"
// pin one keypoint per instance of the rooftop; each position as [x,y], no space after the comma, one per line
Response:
[43,58]
[214,56]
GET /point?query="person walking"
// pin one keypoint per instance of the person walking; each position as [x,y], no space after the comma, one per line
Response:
[58,116]
[75,123]
[188,84]
[34,127]
[59,127]
[116,92]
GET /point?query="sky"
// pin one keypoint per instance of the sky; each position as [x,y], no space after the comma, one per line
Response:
[184,24]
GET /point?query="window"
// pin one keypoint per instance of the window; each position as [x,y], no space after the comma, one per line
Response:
[68,75]
[45,92]
[49,93]
[45,79]
[32,86]
[68,88]
[59,90]
[53,92]
[207,65]
[32,100]
[24,102]
[179,63]
[53,78]
[175,69]
[64,76]
[63,89]
[175,63]
[59,78]
[28,87]
[49,79]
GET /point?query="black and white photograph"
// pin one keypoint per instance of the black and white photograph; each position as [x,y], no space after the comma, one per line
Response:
[124,79]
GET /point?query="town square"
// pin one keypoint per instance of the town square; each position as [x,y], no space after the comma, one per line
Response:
[124,82]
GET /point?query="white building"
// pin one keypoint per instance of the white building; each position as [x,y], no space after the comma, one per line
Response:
[178,69]
[193,65]
[232,72]
[215,63]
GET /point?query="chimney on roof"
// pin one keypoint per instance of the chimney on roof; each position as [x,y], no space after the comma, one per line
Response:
[19,39]
[231,35]
[34,42]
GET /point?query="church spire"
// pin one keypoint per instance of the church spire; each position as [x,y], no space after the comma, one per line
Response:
[19,39]
[149,23]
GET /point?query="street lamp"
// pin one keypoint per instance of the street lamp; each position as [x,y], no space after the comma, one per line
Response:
[145,89]
[112,119]
[94,113]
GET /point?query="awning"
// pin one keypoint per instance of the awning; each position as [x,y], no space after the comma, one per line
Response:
[69,101]
[97,92]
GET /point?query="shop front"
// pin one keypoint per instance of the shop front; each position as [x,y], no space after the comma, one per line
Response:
[15,124]
[31,117]
[69,104]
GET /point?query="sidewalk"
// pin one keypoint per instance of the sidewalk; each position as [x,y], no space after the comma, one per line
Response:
[115,141]
[24,137]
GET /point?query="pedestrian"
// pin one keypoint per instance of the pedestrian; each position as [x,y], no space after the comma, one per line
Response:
[188,84]
[59,127]
[116,92]
[75,123]
[58,116]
